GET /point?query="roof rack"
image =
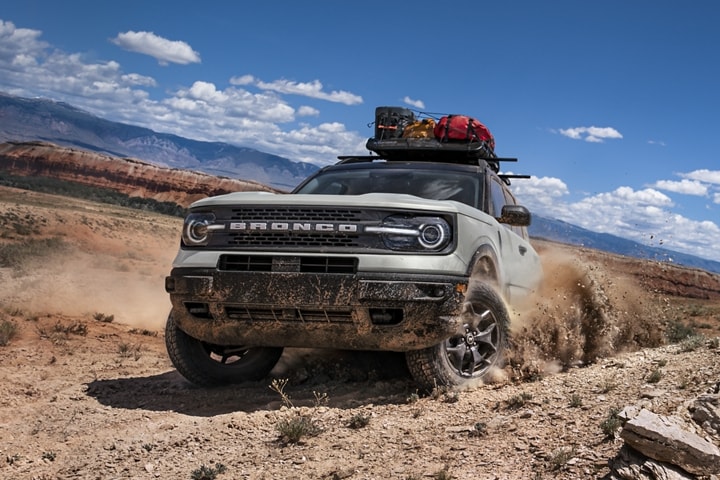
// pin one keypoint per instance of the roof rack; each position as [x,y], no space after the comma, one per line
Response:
[494,162]
[344,159]
[431,149]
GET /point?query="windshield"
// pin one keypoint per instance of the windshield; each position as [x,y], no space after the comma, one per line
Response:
[430,184]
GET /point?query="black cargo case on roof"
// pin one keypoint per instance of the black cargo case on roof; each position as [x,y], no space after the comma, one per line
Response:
[391,121]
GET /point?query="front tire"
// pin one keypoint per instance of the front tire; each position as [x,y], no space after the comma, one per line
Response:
[469,355]
[207,365]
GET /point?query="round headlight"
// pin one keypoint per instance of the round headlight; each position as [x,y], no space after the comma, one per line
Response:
[432,235]
[196,231]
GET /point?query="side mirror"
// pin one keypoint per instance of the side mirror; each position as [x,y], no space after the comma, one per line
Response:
[515,215]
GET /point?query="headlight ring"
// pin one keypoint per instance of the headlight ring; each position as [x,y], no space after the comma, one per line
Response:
[432,235]
[197,229]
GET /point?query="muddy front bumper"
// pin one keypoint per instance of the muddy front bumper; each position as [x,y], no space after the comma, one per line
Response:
[359,311]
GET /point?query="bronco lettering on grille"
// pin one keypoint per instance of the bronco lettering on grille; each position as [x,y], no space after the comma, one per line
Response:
[293,227]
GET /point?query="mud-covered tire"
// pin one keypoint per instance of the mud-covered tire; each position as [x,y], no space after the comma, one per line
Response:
[209,365]
[468,356]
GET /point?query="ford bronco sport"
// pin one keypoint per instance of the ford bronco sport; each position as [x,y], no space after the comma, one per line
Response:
[406,253]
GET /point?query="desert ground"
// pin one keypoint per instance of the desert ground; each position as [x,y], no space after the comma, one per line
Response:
[87,390]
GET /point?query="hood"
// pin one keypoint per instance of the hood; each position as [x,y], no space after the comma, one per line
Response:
[378,200]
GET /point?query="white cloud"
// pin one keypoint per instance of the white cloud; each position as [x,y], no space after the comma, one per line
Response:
[242,80]
[655,142]
[305,111]
[685,235]
[647,196]
[320,144]
[684,186]
[543,193]
[312,89]
[100,87]
[163,50]
[644,216]
[24,61]
[414,103]
[591,134]
[141,80]
[222,107]
[22,42]
[704,175]
[206,92]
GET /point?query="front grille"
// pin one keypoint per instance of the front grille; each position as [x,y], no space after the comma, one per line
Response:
[287,315]
[306,236]
[305,214]
[268,263]
[291,239]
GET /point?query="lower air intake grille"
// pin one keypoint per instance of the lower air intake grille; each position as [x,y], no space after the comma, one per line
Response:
[328,265]
[269,263]
[245,263]
[287,315]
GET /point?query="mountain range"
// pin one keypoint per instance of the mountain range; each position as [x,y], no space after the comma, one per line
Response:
[32,120]
[559,231]
[25,119]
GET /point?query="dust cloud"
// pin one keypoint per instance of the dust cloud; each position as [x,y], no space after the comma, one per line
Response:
[77,283]
[582,312]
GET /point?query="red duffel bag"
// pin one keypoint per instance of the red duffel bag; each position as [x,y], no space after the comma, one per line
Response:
[461,128]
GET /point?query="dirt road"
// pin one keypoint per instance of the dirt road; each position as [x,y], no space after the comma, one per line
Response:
[87,390]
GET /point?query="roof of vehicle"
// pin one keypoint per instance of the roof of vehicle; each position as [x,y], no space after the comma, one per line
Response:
[363,162]
[378,161]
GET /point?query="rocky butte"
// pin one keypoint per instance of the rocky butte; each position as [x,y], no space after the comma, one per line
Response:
[130,176]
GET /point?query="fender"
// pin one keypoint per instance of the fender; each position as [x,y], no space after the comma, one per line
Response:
[485,254]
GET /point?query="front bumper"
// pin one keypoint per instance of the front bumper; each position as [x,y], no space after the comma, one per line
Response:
[362,311]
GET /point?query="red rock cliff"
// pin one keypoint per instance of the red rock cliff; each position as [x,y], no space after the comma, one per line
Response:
[129,176]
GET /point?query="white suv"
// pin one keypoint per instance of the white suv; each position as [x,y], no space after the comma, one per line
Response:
[407,255]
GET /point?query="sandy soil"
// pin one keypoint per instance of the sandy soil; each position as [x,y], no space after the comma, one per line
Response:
[87,390]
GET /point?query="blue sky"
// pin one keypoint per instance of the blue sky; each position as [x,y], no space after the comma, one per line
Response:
[611,106]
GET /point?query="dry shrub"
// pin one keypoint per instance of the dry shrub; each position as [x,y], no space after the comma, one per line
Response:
[8,330]
[581,313]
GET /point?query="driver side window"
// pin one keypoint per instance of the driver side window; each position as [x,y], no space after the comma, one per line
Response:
[497,198]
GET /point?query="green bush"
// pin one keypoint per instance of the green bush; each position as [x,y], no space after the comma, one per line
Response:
[208,473]
[612,423]
[294,428]
[654,377]
[519,401]
[692,343]
[677,331]
[101,317]
[359,420]
[8,330]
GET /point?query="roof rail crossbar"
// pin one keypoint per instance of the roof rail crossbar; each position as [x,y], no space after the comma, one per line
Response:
[506,177]
[358,158]
[502,175]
